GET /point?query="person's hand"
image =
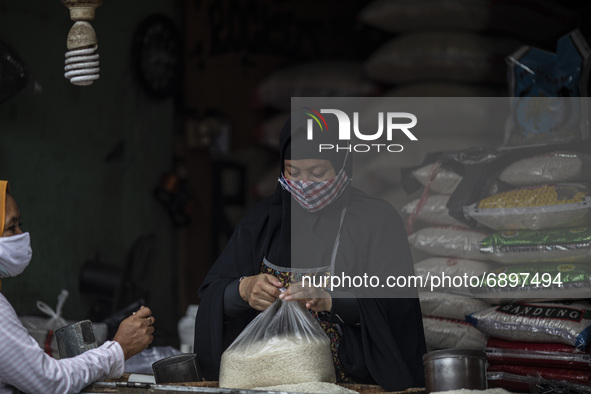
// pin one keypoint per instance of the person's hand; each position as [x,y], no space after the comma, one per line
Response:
[260,290]
[311,297]
[135,333]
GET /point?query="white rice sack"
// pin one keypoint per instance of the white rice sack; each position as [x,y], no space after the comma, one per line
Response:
[566,245]
[452,266]
[308,387]
[548,167]
[450,306]
[536,282]
[433,211]
[402,16]
[314,79]
[458,56]
[450,241]
[444,89]
[443,182]
[545,19]
[535,207]
[452,334]
[537,322]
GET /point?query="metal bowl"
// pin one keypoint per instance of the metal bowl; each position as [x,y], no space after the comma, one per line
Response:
[177,369]
[455,369]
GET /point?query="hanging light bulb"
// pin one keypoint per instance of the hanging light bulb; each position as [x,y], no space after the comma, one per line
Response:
[82,59]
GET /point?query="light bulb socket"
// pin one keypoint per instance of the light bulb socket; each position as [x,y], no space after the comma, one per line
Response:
[82,10]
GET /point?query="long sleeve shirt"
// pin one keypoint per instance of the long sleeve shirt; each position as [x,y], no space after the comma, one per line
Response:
[24,365]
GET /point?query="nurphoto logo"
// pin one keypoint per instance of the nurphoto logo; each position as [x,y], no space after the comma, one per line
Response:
[392,121]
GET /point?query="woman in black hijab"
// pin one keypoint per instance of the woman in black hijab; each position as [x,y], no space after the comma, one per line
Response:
[316,223]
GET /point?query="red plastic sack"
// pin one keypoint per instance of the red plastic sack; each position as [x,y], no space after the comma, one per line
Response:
[555,355]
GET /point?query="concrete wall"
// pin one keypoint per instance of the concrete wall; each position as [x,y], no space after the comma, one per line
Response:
[55,145]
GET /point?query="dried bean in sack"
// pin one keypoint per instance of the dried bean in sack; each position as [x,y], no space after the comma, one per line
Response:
[282,345]
[541,207]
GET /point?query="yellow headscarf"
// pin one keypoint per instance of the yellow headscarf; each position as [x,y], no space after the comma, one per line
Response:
[4,188]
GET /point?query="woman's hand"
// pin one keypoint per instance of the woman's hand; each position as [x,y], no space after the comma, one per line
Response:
[311,297]
[260,290]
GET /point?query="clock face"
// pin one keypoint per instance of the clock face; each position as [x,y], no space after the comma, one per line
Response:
[156,55]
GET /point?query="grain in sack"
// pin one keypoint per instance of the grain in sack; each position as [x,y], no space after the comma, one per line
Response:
[565,245]
[450,241]
[433,211]
[536,282]
[568,323]
[549,167]
[450,306]
[283,345]
[452,334]
[553,205]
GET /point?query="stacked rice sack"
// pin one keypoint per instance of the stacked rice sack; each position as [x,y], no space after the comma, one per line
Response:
[540,326]
[534,330]
[455,45]
[443,245]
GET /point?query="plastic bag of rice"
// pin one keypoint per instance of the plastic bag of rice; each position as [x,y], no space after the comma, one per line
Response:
[535,207]
[537,322]
[548,167]
[433,211]
[536,282]
[285,334]
[449,306]
[450,241]
[452,334]
[568,245]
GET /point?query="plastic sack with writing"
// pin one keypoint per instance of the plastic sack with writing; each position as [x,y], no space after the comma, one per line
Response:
[282,345]
[552,205]
[565,245]
[537,322]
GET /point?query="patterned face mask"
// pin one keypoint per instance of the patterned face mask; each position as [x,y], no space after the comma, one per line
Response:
[313,196]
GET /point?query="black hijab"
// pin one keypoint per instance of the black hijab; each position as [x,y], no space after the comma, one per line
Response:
[314,233]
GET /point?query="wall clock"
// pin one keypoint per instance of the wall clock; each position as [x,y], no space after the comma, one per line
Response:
[157,56]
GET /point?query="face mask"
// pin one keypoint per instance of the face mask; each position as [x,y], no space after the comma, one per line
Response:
[15,254]
[313,196]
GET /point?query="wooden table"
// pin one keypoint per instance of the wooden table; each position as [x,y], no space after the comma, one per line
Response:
[110,387]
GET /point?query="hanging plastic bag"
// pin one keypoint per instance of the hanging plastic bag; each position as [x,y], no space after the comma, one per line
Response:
[282,345]
[42,329]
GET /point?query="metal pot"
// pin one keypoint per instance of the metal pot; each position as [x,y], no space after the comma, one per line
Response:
[455,369]
[75,339]
[177,369]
